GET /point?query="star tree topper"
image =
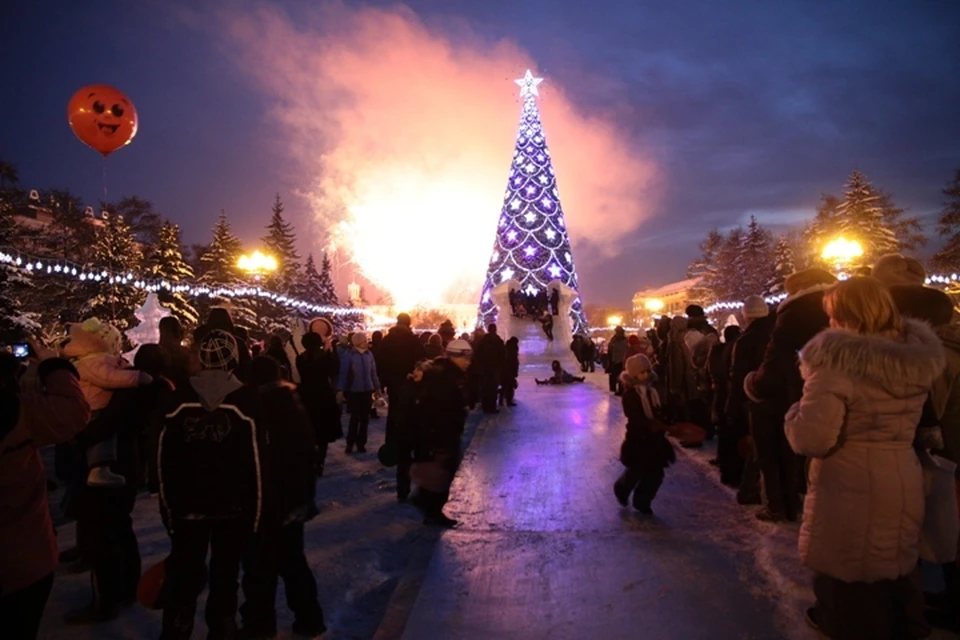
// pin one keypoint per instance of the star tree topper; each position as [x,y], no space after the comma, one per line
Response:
[528,85]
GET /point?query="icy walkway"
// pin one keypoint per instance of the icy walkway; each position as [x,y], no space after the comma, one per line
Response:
[544,550]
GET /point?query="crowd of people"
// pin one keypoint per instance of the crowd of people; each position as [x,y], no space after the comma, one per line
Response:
[841,405]
[524,304]
[231,448]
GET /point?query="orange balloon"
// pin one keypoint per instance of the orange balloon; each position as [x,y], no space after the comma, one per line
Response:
[102,118]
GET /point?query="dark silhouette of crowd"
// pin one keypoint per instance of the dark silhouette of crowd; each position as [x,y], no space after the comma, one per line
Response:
[232,449]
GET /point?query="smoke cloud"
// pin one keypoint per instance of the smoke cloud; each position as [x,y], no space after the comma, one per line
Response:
[401,136]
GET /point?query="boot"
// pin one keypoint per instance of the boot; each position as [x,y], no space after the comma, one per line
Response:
[103,477]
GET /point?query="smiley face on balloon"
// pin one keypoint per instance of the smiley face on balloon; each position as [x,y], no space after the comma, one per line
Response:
[102,117]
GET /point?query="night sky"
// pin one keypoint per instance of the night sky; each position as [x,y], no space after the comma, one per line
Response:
[732,108]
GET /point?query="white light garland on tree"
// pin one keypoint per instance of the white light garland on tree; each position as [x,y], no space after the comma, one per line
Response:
[86,272]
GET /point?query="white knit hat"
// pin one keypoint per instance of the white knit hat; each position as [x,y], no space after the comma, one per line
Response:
[755,307]
[459,349]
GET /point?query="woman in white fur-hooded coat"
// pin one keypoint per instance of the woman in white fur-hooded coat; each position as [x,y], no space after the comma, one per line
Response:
[865,382]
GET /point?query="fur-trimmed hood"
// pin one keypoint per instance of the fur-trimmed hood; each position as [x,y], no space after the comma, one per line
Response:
[900,366]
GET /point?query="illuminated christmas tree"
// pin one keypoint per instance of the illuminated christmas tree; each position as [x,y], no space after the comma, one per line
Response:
[532,245]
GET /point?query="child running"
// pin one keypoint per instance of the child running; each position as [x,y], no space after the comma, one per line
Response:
[645,451]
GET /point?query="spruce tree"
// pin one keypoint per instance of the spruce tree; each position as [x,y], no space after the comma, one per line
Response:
[310,289]
[116,252]
[754,260]
[328,292]
[728,284]
[947,259]
[862,216]
[15,321]
[782,267]
[219,264]
[280,242]
[705,270]
[166,263]
[822,229]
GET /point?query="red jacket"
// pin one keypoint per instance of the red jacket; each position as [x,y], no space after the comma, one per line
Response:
[53,414]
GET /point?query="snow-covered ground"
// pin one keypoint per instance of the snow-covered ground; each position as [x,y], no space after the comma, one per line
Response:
[543,549]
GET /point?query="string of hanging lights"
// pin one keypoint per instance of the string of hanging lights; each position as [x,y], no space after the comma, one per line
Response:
[86,273]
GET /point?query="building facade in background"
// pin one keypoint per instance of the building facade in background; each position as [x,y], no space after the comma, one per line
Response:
[670,300]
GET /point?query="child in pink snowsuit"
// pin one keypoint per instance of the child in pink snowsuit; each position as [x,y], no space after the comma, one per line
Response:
[94,348]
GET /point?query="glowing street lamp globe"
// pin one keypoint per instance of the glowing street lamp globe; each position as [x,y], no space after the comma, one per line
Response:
[614,321]
[653,305]
[257,263]
[842,251]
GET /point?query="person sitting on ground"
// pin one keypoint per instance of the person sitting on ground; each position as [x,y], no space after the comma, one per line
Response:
[645,451]
[560,375]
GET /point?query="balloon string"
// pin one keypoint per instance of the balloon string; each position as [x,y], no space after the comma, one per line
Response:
[104,180]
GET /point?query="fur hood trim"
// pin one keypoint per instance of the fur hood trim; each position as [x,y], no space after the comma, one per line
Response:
[913,360]
[803,292]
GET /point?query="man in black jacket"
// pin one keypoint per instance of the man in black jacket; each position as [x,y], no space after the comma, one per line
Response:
[399,352]
[777,384]
[747,356]
[287,449]
[440,418]
[489,357]
[210,489]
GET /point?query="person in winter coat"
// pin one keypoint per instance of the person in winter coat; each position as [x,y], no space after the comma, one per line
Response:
[440,421]
[358,383]
[94,349]
[718,366]
[434,347]
[511,371]
[397,354]
[777,384]
[489,355]
[645,451]
[616,354]
[276,351]
[700,339]
[588,355]
[747,356]
[905,278]
[317,367]
[181,362]
[560,375]
[866,380]
[287,440]
[53,411]
[681,378]
[108,542]
[407,416]
[210,489]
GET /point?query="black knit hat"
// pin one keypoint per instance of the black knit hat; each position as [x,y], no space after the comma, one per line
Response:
[218,350]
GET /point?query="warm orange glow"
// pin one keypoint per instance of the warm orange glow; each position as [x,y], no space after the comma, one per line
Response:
[654,305]
[257,263]
[401,138]
[614,321]
[842,251]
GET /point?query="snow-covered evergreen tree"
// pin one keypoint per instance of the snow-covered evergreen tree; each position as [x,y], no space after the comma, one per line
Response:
[280,242]
[705,270]
[219,264]
[328,291]
[14,282]
[115,251]
[947,259]
[166,263]
[728,284]
[754,260]
[782,267]
[822,229]
[309,288]
[861,217]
